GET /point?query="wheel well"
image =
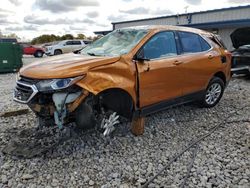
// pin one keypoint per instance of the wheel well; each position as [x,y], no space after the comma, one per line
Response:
[57,50]
[117,100]
[39,51]
[221,75]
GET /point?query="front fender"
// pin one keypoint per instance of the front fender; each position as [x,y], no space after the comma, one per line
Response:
[116,75]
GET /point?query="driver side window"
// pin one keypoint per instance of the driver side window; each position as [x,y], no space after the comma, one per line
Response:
[160,45]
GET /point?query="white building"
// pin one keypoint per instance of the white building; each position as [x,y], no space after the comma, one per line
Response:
[220,21]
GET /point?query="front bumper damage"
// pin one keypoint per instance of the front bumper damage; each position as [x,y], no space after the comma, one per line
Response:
[57,105]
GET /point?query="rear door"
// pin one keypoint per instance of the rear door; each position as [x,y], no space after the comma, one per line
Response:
[76,44]
[159,76]
[200,61]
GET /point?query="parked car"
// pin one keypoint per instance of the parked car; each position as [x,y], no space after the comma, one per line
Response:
[131,72]
[33,50]
[241,54]
[241,60]
[64,46]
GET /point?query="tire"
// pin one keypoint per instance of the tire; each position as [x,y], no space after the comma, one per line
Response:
[39,54]
[84,116]
[213,93]
[58,52]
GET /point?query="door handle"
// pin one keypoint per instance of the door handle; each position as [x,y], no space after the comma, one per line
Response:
[177,62]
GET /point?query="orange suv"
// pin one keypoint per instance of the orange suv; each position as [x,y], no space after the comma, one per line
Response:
[131,72]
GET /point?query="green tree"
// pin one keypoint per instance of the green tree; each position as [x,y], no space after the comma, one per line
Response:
[80,36]
[67,37]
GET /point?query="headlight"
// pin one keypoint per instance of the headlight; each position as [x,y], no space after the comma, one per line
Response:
[56,84]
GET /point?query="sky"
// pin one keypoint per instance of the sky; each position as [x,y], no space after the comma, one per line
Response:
[31,18]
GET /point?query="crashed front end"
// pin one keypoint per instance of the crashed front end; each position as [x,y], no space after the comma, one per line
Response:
[53,100]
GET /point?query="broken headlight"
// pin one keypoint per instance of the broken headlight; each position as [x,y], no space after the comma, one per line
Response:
[57,84]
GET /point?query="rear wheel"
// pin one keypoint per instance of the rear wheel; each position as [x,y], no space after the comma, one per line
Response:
[58,52]
[213,92]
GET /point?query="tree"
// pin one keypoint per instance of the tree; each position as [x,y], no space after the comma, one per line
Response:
[45,38]
[67,37]
[80,36]
[51,38]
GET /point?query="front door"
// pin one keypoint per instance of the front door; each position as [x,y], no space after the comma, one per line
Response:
[159,76]
[67,47]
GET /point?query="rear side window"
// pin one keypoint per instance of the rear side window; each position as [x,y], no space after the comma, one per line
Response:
[160,45]
[192,43]
[76,42]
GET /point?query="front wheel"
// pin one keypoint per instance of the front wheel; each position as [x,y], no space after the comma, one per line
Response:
[84,115]
[58,52]
[213,92]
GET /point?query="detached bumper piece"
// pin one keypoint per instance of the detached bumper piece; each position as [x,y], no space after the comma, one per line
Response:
[61,100]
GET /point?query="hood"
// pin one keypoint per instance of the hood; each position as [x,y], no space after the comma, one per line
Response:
[64,66]
[240,37]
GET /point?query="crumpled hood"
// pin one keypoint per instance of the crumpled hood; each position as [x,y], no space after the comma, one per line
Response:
[63,66]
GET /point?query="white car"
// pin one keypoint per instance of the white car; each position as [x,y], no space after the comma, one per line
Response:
[65,46]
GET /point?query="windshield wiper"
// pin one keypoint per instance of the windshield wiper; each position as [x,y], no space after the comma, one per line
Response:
[91,54]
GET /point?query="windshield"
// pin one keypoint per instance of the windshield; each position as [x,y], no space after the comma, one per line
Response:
[116,43]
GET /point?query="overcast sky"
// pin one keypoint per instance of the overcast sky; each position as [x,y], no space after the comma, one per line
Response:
[31,18]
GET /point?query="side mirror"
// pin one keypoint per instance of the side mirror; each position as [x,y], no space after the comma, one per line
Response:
[139,56]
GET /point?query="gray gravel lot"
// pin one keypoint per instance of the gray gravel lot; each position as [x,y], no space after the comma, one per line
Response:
[124,160]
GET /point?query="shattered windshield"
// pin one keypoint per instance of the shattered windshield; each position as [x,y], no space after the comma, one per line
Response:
[116,43]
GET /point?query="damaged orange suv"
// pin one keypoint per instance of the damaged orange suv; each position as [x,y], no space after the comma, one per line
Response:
[131,72]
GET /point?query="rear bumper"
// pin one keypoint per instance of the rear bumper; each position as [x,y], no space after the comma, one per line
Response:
[241,70]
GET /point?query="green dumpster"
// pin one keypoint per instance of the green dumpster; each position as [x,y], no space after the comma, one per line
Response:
[10,57]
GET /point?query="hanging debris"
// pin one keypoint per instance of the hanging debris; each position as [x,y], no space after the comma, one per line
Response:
[108,124]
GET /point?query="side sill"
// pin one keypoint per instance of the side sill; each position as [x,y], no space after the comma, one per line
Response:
[168,104]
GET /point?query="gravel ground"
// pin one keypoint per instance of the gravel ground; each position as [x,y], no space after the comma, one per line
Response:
[123,160]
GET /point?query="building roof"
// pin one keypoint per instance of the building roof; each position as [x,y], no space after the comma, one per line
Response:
[185,14]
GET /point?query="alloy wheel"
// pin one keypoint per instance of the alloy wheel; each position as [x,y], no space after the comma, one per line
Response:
[213,93]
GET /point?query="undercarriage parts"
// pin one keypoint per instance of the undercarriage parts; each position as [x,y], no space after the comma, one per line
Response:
[60,100]
[108,124]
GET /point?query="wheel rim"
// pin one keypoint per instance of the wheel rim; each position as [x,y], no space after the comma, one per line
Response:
[213,93]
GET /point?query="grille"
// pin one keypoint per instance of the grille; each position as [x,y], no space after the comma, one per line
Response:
[25,90]
[28,80]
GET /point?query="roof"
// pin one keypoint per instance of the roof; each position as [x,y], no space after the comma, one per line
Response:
[168,27]
[102,32]
[200,12]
